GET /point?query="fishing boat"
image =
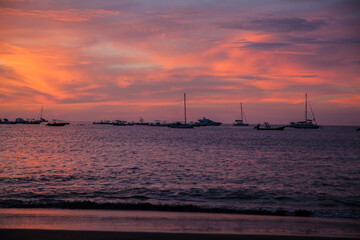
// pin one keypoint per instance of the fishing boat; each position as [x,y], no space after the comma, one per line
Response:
[307,123]
[179,124]
[268,127]
[241,122]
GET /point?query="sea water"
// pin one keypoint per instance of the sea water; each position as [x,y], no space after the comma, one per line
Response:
[224,168]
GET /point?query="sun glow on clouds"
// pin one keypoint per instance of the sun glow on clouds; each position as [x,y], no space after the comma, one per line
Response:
[85,55]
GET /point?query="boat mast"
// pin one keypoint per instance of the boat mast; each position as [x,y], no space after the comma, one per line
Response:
[185,106]
[312,112]
[241,112]
[305,107]
[41,112]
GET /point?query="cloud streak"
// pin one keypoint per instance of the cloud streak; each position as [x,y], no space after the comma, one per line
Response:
[294,24]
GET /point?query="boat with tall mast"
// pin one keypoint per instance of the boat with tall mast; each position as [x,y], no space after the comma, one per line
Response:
[240,122]
[41,115]
[307,123]
[185,124]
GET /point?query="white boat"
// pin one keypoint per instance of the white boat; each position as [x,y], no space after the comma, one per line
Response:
[241,122]
[179,124]
[207,122]
[307,123]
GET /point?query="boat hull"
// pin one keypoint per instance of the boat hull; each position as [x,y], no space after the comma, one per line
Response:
[278,128]
[56,124]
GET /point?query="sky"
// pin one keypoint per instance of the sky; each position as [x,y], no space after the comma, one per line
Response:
[90,60]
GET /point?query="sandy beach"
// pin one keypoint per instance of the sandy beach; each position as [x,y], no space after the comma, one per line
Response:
[110,224]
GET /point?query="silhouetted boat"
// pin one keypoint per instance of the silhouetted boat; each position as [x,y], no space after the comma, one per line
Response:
[142,122]
[207,122]
[56,123]
[179,124]
[27,121]
[268,127]
[308,123]
[31,121]
[241,122]
[358,129]
[6,121]
[41,113]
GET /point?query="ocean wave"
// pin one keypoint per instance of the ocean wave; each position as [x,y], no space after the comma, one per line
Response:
[145,206]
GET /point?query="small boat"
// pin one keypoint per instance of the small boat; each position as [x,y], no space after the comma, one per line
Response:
[207,122]
[268,127]
[142,122]
[6,121]
[179,124]
[31,121]
[28,121]
[240,122]
[57,123]
[41,117]
[307,123]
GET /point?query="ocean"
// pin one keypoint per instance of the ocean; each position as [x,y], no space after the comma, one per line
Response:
[228,169]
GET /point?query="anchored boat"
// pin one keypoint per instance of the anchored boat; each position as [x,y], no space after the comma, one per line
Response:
[241,122]
[179,124]
[307,123]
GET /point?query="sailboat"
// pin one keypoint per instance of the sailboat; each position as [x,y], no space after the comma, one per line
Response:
[308,123]
[41,117]
[179,124]
[241,121]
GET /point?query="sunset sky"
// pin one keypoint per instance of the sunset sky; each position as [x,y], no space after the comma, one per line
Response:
[111,59]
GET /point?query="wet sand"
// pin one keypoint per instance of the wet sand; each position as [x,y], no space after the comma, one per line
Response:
[114,224]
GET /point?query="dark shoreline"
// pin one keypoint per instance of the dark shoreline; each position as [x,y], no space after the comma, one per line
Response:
[89,205]
[14,234]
